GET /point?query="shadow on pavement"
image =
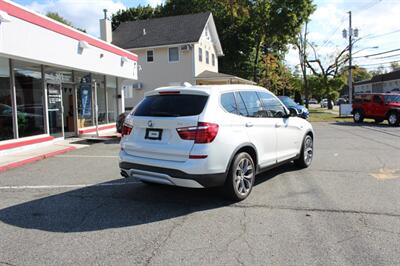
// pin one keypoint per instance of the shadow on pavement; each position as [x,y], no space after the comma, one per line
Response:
[369,124]
[107,206]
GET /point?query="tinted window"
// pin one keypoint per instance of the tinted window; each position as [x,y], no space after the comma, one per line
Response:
[229,103]
[377,99]
[272,106]
[171,105]
[252,103]
[242,110]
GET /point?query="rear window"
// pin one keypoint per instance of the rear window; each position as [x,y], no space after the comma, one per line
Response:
[171,105]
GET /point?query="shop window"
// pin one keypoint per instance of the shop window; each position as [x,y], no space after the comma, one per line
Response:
[101,98]
[6,113]
[85,99]
[30,102]
[112,98]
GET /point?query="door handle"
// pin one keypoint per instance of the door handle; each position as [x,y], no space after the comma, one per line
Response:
[249,124]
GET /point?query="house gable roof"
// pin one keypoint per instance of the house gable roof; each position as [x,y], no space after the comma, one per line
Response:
[164,31]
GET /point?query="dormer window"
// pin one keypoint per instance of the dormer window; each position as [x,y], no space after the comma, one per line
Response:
[207,57]
[150,56]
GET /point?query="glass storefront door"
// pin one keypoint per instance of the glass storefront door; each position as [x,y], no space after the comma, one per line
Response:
[55,109]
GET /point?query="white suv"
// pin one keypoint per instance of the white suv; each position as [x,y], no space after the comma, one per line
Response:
[207,136]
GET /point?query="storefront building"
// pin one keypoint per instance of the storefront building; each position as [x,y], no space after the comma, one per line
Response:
[56,81]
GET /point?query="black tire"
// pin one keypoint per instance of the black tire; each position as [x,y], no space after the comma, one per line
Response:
[238,185]
[305,160]
[358,116]
[394,119]
[378,121]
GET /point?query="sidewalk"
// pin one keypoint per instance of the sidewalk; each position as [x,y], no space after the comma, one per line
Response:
[19,158]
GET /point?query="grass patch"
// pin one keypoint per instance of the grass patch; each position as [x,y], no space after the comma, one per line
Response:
[324,115]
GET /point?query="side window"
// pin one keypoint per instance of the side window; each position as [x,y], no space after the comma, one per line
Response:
[229,103]
[200,55]
[173,54]
[252,103]
[273,108]
[377,99]
[242,110]
[150,56]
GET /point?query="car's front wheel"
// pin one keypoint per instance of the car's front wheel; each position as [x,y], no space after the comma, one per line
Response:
[240,179]
[358,116]
[306,154]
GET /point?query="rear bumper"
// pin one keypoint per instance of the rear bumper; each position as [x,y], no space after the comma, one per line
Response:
[169,176]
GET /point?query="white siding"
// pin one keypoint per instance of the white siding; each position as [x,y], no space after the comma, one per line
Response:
[161,72]
[206,44]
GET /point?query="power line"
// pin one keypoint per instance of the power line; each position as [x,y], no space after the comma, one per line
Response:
[377,64]
[369,5]
[383,57]
[382,35]
[334,32]
[366,56]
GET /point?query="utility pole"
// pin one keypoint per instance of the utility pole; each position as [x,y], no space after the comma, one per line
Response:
[350,81]
[350,33]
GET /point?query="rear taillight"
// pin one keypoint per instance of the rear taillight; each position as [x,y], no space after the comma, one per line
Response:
[202,133]
[126,130]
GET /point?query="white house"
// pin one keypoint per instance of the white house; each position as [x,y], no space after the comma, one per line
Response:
[173,50]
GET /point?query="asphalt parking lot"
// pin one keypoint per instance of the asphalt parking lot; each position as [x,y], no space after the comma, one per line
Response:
[76,209]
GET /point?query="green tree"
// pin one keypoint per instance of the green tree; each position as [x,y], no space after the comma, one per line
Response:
[245,27]
[57,17]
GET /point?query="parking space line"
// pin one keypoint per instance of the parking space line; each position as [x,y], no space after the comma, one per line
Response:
[67,186]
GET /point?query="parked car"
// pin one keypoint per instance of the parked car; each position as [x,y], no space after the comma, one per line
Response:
[289,103]
[378,106]
[121,120]
[324,103]
[313,101]
[209,136]
[340,101]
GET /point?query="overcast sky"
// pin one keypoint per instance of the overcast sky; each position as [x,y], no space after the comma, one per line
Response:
[378,22]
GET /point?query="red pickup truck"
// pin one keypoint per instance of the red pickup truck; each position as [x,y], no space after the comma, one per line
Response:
[378,106]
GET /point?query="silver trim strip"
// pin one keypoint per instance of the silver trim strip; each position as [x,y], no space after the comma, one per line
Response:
[162,178]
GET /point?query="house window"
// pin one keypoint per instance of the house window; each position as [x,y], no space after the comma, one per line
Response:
[173,54]
[213,59]
[207,57]
[200,54]
[150,56]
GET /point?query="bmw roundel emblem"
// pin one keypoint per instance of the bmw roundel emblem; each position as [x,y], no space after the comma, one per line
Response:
[150,123]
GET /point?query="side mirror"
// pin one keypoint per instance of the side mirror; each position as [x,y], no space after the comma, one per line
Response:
[293,112]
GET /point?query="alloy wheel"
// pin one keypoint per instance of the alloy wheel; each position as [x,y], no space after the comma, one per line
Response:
[392,119]
[244,176]
[308,150]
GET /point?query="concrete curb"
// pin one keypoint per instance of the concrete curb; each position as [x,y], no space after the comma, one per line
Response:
[37,158]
